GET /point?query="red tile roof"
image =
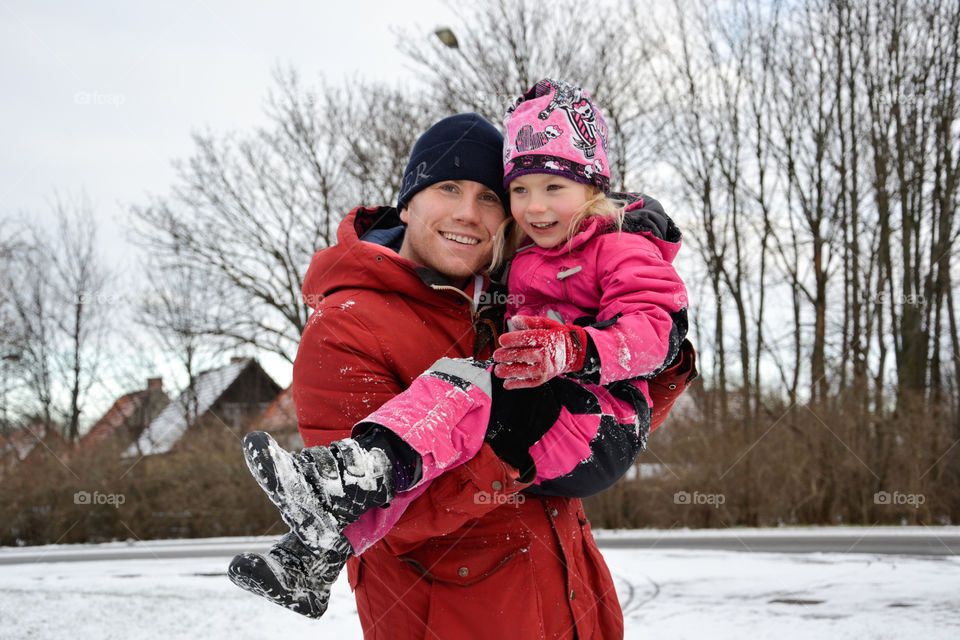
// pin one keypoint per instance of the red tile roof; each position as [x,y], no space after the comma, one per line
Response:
[122,412]
[281,415]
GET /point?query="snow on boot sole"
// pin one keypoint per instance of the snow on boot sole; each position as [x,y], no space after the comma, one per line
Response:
[258,574]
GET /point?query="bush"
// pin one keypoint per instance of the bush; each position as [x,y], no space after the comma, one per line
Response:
[201,489]
[793,465]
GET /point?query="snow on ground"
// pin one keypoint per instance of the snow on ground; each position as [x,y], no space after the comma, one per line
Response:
[691,594]
[665,594]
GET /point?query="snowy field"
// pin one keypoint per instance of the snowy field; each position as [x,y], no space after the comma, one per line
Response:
[666,593]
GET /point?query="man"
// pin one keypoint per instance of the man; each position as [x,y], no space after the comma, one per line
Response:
[472,557]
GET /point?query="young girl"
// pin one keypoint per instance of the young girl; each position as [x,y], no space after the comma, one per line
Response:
[596,310]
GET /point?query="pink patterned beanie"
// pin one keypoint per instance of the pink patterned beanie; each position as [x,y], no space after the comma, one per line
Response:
[554,128]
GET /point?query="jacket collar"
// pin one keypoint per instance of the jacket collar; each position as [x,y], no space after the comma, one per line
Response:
[366,257]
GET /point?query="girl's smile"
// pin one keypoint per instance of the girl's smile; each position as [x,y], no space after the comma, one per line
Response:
[545,206]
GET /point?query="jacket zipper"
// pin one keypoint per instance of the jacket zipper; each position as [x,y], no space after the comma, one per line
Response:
[443,287]
[562,276]
[473,302]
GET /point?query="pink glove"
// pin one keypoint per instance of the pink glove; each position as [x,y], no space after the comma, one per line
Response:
[537,350]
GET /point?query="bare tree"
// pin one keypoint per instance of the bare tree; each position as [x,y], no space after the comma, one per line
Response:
[56,304]
[177,309]
[248,211]
[11,331]
[32,304]
[807,123]
[910,85]
[379,125]
[81,282]
[711,75]
[499,49]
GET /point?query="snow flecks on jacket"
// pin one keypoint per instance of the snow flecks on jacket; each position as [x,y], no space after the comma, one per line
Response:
[626,288]
[388,342]
[624,351]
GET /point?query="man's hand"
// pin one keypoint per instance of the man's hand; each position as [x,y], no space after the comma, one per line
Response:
[537,350]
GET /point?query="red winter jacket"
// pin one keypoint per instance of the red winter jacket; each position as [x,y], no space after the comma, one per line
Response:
[455,566]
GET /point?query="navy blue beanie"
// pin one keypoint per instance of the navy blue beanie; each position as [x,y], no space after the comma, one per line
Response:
[461,147]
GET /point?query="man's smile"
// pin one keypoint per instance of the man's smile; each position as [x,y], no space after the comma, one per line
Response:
[460,239]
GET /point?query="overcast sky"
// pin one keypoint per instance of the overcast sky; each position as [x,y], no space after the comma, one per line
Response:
[99,97]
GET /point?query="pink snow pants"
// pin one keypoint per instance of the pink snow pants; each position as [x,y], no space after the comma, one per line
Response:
[444,416]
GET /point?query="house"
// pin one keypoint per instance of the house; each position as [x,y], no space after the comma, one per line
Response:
[230,396]
[280,421]
[30,443]
[126,419]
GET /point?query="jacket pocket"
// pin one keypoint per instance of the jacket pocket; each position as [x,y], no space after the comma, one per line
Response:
[466,561]
[354,567]
[481,588]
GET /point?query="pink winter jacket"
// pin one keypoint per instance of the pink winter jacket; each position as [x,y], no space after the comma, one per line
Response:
[622,287]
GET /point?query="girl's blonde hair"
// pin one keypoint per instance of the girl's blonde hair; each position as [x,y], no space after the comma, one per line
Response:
[509,236]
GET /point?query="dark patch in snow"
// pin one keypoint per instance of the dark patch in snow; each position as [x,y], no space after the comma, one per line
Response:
[634,597]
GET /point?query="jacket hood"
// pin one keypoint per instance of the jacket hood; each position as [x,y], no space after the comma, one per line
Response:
[644,215]
[372,264]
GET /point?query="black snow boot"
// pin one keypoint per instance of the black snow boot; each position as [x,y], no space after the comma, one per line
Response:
[320,490]
[291,575]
